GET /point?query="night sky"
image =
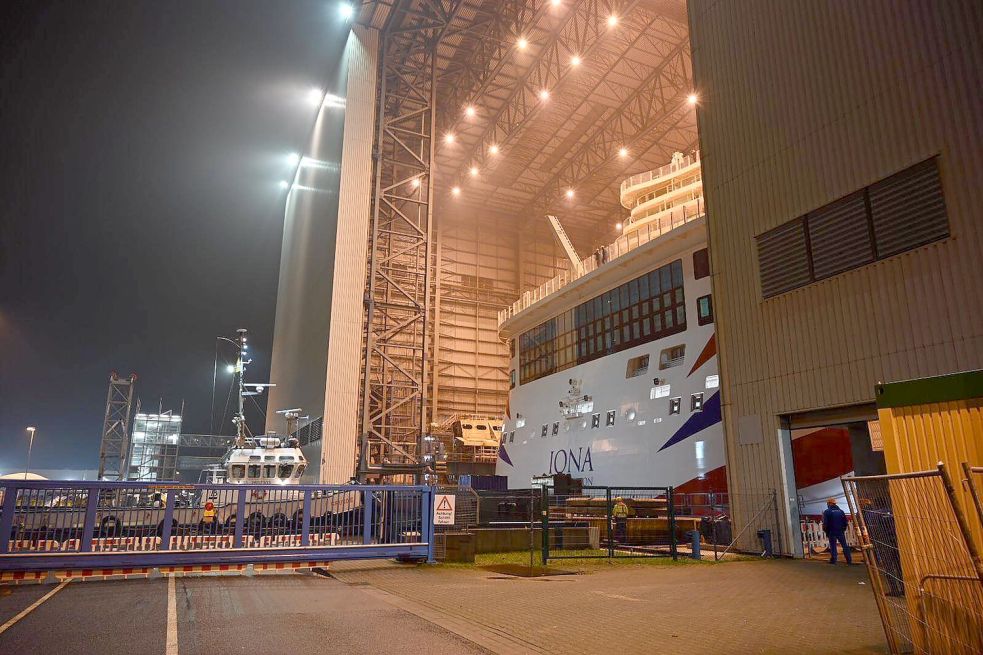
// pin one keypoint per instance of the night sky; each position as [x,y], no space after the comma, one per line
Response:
[142,146]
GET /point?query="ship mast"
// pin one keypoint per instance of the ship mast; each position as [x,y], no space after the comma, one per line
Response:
[245,388]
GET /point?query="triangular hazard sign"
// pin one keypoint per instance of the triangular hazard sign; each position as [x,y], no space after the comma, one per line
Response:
[444,504]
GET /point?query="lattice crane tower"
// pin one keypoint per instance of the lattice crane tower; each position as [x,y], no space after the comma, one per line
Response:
[116,427]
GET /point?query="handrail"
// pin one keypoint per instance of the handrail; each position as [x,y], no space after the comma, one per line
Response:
[662,171]
[624,244]
[61,523]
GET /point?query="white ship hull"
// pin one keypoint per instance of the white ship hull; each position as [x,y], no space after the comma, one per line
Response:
[647,445]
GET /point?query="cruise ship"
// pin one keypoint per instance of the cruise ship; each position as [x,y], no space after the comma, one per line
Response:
[614,363]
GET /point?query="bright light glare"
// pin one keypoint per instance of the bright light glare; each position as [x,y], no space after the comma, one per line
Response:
[493,149]
[346,10]
[284,184]
[612,20]
[555,3]
[544,95]
[315,96]
[456,191]
[569,193]
[293,158]
[474,171]
[575,60]
[522,43]
[230,368]
[617,226]
[449,137]
[622,152]
[469,111]
[692,98]
[415,182]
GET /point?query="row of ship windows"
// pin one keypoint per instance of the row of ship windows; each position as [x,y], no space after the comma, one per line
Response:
[610,417]
[641,310]
[265,471]
[669,357]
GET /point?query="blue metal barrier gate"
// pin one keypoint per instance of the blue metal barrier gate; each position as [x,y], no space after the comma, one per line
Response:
[48,525]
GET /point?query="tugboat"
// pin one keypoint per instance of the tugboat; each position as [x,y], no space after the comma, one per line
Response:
[257,460]
[275,464]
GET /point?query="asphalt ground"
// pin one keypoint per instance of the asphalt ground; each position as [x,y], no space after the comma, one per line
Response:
[216,615]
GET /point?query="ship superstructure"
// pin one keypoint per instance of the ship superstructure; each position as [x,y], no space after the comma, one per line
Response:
[614,363]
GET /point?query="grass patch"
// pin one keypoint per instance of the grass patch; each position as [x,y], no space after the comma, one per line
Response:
[598,562]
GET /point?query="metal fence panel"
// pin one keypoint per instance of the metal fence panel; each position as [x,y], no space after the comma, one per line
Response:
[609,522]
[137,518]
[924,574]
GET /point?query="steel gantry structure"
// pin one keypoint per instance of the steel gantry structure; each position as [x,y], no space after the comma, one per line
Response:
[116,427]
[488,116]
[394,406]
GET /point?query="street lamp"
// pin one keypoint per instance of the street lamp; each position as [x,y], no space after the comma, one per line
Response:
[30,446]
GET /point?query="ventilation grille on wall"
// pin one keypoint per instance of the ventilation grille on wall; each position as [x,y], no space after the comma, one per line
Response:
[908,209]
[783,258]
[889,217]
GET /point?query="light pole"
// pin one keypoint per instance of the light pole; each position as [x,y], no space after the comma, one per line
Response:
[30,446]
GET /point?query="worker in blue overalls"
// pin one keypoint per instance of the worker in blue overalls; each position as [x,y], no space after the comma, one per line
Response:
[834,525]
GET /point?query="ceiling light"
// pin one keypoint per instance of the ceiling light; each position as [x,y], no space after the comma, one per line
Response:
[474,171]
[555,3]
[575,60]
[617,226]
[469,111]
[544,95]
[449,137]
[522,43]
[493,149]
[346,10]
[284,184]
[415,182]
[622,152]
[692,98]
[456,191]
[569,194]
[612,20]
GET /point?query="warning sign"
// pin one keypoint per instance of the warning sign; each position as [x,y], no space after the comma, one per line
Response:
[443,509]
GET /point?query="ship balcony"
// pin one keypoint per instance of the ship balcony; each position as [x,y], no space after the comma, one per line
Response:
[630,252]
[642,183]
[688,204]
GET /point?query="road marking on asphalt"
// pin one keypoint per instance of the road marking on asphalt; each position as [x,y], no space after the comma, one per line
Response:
[171,648]
[33,606]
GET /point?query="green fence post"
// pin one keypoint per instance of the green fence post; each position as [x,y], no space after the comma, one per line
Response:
[609,519]
[672,524]
[545,524]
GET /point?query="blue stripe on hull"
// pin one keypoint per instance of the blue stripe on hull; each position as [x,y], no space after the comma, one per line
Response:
[697,422]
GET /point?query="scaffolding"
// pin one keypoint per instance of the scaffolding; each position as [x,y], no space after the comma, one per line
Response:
[154,445]
[394,407]
[115,427]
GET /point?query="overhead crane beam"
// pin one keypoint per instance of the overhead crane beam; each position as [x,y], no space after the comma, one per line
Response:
[660,95]
[580,29]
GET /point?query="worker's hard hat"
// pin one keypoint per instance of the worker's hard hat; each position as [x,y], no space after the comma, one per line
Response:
[830,501]
[619,499]
[209,505]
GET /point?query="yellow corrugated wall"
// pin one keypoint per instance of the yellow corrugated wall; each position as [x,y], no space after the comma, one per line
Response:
[917,437]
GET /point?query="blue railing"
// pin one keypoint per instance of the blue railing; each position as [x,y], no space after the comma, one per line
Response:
[47,524]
